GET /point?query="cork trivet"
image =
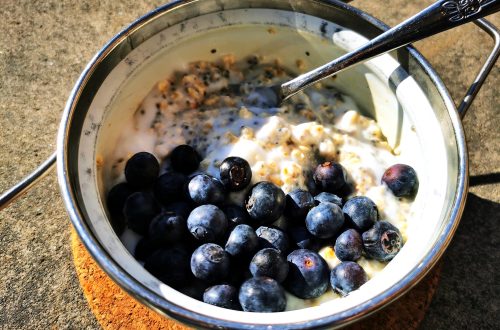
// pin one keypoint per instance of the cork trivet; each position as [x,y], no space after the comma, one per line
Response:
[115,309]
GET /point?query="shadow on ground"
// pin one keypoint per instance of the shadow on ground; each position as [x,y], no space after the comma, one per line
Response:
[468,295]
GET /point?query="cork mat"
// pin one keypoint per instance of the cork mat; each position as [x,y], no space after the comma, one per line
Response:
[115,309]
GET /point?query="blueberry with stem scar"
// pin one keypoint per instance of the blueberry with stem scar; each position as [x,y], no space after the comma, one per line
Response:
[383,241]
[210,263]
[235,173]
[330,177]
[207,223]
[308,274]
[402,180]
[265,203]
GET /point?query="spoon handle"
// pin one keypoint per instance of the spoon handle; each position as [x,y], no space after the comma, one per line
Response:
[439,17]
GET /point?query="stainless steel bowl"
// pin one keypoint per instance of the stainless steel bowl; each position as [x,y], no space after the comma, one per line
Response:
[400,90]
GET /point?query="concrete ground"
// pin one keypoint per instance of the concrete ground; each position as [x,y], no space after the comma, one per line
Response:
[44,45]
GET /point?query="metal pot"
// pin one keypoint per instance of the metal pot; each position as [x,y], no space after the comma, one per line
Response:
[400,90]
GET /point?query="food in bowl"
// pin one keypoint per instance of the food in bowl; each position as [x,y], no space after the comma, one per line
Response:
[313,177]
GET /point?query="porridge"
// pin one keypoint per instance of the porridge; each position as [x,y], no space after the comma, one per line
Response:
[222,112]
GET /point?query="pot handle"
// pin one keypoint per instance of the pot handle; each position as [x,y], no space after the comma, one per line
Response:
[485,70]
[26,183]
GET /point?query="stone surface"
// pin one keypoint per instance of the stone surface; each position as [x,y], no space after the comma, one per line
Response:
[43,48]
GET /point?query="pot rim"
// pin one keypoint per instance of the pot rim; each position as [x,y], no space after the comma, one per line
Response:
[157,303]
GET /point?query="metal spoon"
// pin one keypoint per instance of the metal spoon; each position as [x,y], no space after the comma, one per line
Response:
[441,16]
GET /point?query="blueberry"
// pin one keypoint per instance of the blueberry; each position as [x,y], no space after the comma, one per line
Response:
[272,237]
[270,263]
[361,213]
[205,189]
[223,295]
[326,197]
[307,275]
[346,277]
[117,196]
[301,238]
[383,241]
[297,203]
[330,177]
[115,201]
[402,180]
[195,288]
[324,220]
[207,223]
[265,203]
[239,271]
[144,249]
[142,170]
[180,208]
[262,294]
[167,228]
[170,265]
[185,159]
[169,187]
[139,209]
[242,241]
[349,246]
[345,191]
[210,263]
[235,215]
[235,173]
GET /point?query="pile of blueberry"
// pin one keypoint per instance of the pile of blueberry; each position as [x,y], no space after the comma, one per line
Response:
[232,256]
